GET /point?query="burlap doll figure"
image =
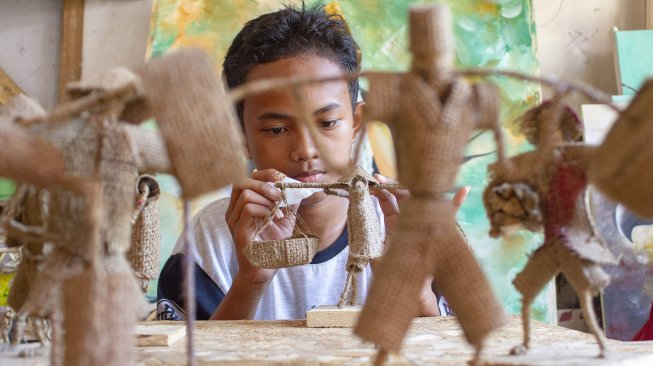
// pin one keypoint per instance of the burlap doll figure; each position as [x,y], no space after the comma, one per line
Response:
[143,255]
[556,173]
[364,233]
[97,146]
[433,114]
[32,157]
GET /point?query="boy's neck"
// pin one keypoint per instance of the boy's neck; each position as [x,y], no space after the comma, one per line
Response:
[326,219]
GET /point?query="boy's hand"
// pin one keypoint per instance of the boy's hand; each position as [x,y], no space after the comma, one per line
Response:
[389,202]
[252,201]
[460,196]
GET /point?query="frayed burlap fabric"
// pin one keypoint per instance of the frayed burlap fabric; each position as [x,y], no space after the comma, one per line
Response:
[198,123]
[143,255]
[622,166]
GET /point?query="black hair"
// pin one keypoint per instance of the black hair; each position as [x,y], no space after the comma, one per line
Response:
[287,33]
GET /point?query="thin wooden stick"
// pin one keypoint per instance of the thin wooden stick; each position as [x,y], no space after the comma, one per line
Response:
[66,111]
[265,85]
[189,286]
[559,86]
[372,185]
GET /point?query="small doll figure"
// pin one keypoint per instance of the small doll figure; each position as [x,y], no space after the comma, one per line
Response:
[365,241]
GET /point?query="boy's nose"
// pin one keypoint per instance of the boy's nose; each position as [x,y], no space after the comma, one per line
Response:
[305,149]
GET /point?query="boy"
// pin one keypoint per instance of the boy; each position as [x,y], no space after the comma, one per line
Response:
[284,43]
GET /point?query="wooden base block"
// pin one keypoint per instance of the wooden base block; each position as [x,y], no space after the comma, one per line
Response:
[159,333]
[332,317]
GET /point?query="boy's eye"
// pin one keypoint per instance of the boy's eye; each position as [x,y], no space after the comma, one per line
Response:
[329,124]
[275,130]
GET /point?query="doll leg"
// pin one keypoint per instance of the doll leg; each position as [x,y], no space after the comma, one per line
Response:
[345,292]
[463,283]
[585,298]
[587,278]
[392,301]
[381,357]
[539,269]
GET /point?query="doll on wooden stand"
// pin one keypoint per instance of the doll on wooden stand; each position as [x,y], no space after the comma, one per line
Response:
[433,112]
[546,188]
[364,233]
[96,145]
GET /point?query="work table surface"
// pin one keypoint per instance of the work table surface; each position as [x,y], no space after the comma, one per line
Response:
[430,341]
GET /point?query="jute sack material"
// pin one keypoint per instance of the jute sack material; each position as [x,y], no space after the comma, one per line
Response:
[27,158]
[433,119]
[196,119]
[84,312]
[89,339]
[143,255]
[411,255]
[296,250]
[622,167]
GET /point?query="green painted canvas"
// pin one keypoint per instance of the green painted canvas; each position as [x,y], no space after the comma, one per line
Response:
[634,55]
[488,33]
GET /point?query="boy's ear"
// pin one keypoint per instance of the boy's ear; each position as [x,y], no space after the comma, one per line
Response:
[359,112]
[248,154]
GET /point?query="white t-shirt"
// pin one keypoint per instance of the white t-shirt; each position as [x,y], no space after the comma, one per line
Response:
[291,292]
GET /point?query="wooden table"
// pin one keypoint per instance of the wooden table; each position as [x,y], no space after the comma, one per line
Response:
[430,341]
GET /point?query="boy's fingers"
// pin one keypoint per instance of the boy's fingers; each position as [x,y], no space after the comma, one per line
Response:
[246,197]
[387,201]
[257,183]
[268,175]
[384,179]
[399,193]
[252,210]
[460,196]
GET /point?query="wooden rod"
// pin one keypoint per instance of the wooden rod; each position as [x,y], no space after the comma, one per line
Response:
[70,52]
[372,185]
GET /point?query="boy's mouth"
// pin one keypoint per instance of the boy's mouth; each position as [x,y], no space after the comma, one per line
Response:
[312,176]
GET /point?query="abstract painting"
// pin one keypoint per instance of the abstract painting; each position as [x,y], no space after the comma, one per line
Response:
[488,33]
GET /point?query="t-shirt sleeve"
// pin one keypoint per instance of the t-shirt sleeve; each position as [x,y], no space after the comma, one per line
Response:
[382,99]
[170,298]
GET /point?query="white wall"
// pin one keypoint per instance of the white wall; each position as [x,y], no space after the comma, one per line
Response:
[115,34]
[29,46]
[574,37]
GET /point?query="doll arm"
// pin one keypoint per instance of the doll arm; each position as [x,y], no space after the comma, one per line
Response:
[382,99]
[149,150]
[487,106]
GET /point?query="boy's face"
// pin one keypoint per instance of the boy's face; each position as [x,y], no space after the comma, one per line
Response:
[275,136]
